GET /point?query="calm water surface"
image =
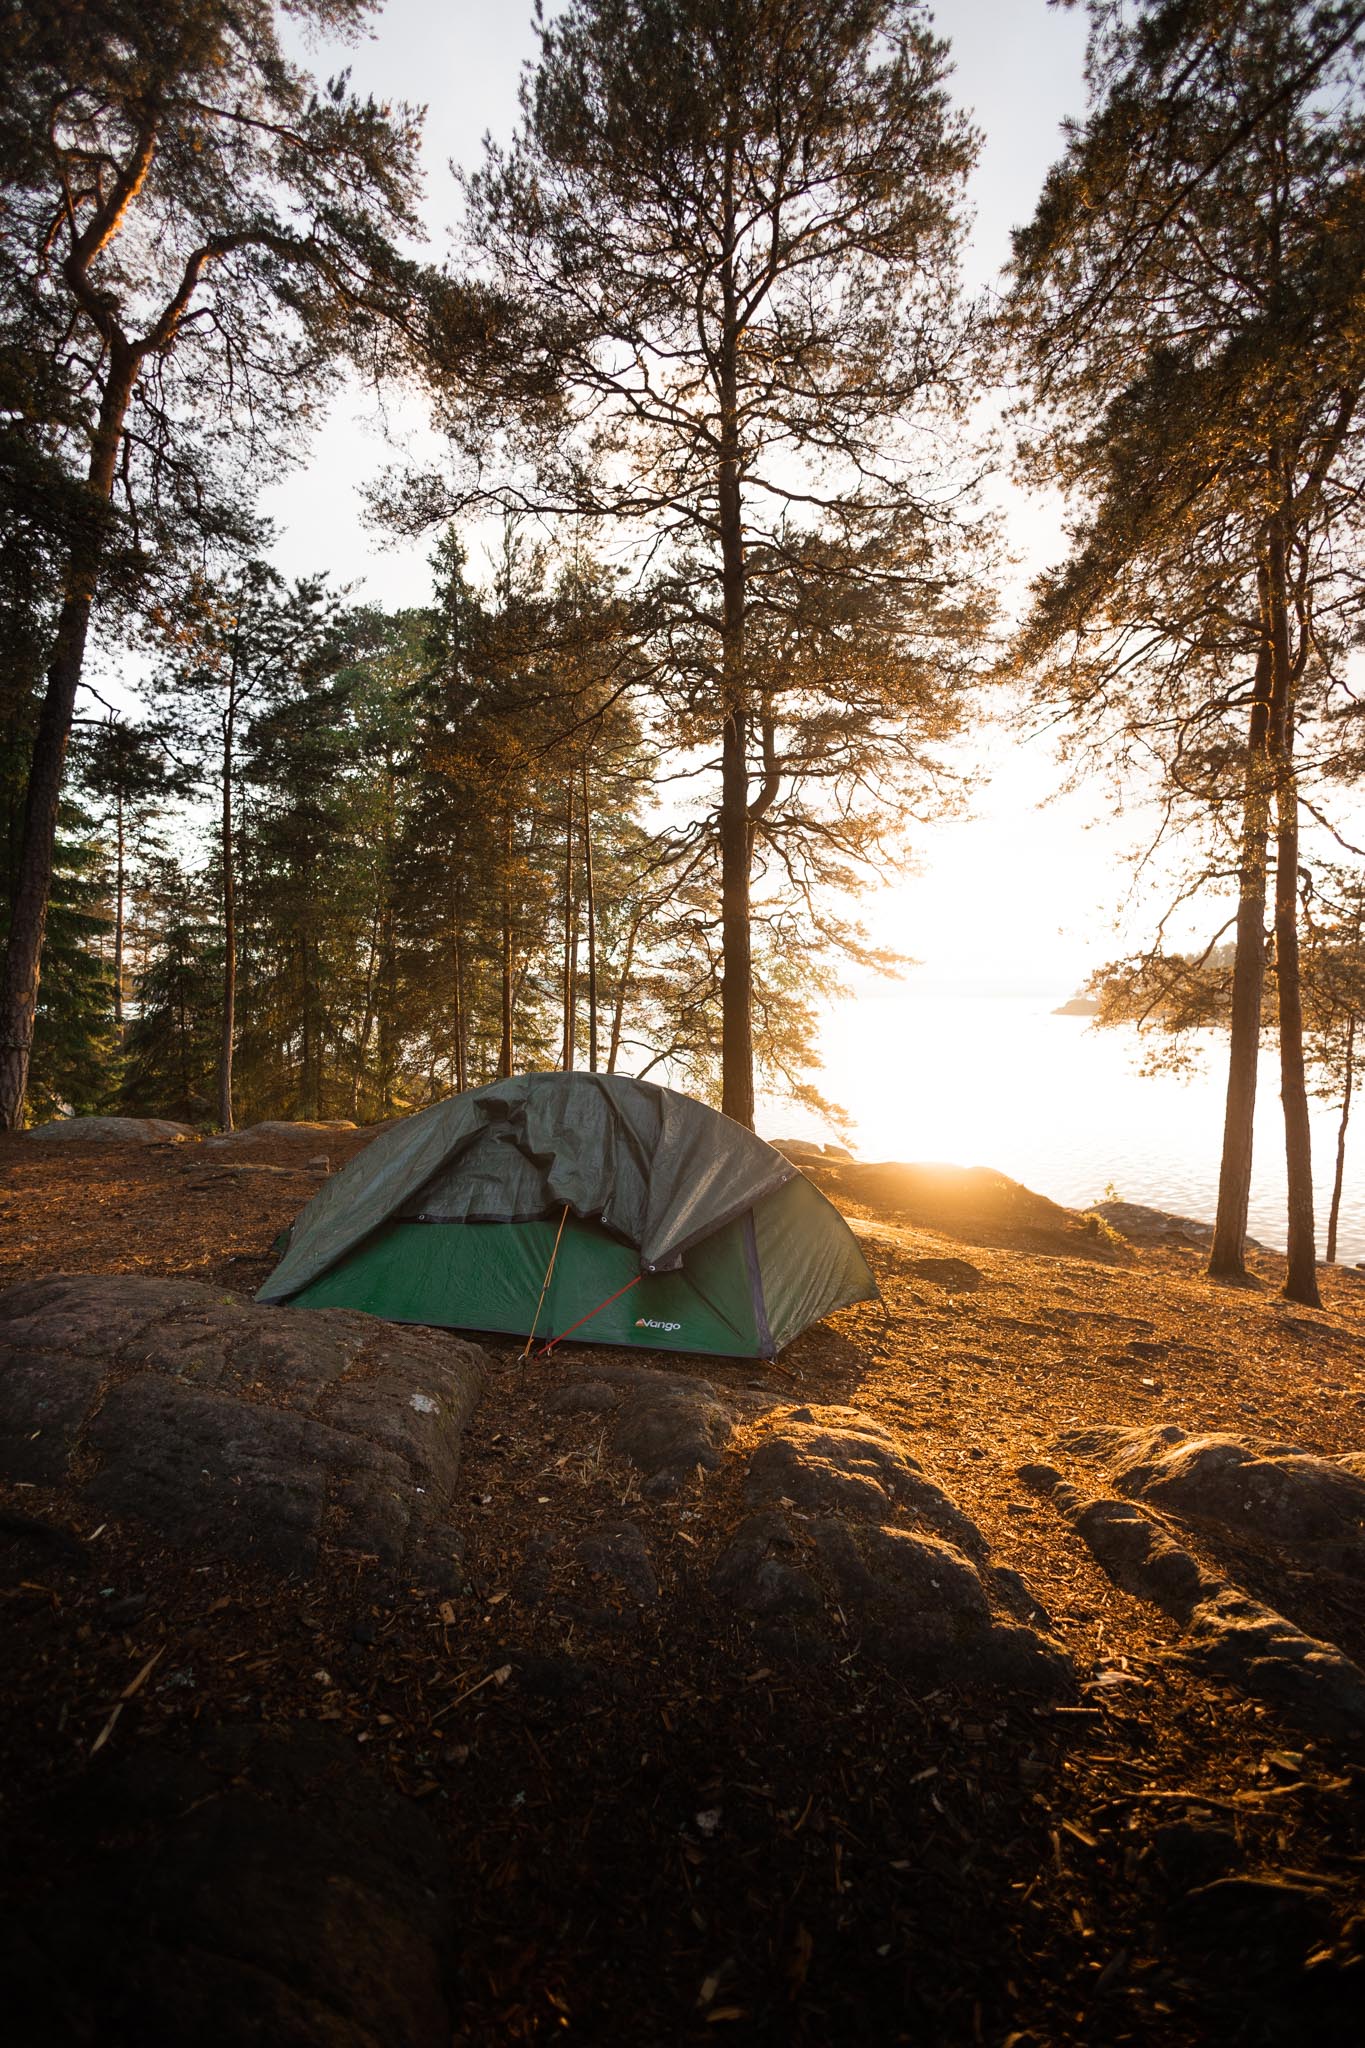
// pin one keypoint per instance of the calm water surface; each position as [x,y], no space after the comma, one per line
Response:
[999,1081]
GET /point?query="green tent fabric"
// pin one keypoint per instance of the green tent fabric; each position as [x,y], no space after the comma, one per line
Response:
[681,1230]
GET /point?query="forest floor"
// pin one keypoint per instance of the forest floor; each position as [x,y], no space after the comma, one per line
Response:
[651,1825]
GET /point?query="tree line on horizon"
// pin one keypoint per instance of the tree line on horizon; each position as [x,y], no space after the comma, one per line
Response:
[418,838]
[347,860]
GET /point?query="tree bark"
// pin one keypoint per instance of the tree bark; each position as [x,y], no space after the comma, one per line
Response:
[118,913]
[311,1079]
[306,1031]
[505,1047]
[1227,1258]
[1301,1281]
[386,1000]
[622,987]
[362,1043]
[33,875]
[461,1027]
[1348,1086]
[592,925]
[570,991]
[737,1048]
[228,855]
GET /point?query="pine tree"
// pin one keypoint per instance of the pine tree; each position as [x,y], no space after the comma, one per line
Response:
[300,747]
[1187,316]
[194,233]
[129,777]
[230,645]
[171,1051]
[725,240]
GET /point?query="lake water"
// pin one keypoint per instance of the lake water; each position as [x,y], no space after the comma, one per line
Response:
[999,1081]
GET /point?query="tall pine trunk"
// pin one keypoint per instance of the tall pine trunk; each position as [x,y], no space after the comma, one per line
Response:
[618,1011]
[736,1030]
[119,889]
[33,875]
[461,1026]
[1347,1090]
[229,855]
[505,1046]
[386,1004]
[362,1042]
[306,1030]
[1227,1259]
[1301,1279]
[311,1077]
[735,943]
[570,978]
[592,925]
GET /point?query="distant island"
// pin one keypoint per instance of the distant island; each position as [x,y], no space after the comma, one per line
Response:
[1078,1006]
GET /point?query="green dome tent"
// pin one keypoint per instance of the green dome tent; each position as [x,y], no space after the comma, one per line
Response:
[661,1224]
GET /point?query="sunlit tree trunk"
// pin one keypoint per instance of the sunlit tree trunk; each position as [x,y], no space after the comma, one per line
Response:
[1347,1089]
[228,854]
[505,1046]
[305,1031]
[1227,1260]
[362,1043]
[592,925]
[618,1010]
[119,885]
[570,978]
[313,1051]
[33,874]
[1301,1281]
[384,1062]
[458,991]
[737,1048]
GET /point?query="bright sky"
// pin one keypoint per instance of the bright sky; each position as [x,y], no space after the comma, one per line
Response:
[1012,898]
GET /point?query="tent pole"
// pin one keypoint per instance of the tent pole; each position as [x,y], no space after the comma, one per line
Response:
[545,1283]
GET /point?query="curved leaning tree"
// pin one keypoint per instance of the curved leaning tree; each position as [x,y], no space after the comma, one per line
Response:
[195,235]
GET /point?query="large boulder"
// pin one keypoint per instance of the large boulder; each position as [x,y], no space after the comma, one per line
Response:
[116,1130]
[847,1531]
[254,1432]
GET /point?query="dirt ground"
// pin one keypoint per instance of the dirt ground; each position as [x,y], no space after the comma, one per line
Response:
[885,1867]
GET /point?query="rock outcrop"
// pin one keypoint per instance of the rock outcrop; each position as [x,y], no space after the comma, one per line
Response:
[254,1432]
[1267,1491]
[845,1523]
[1255,1549]
[116,1130]
[1146,1226]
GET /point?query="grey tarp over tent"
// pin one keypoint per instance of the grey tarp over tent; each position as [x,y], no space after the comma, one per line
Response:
[640,1165]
